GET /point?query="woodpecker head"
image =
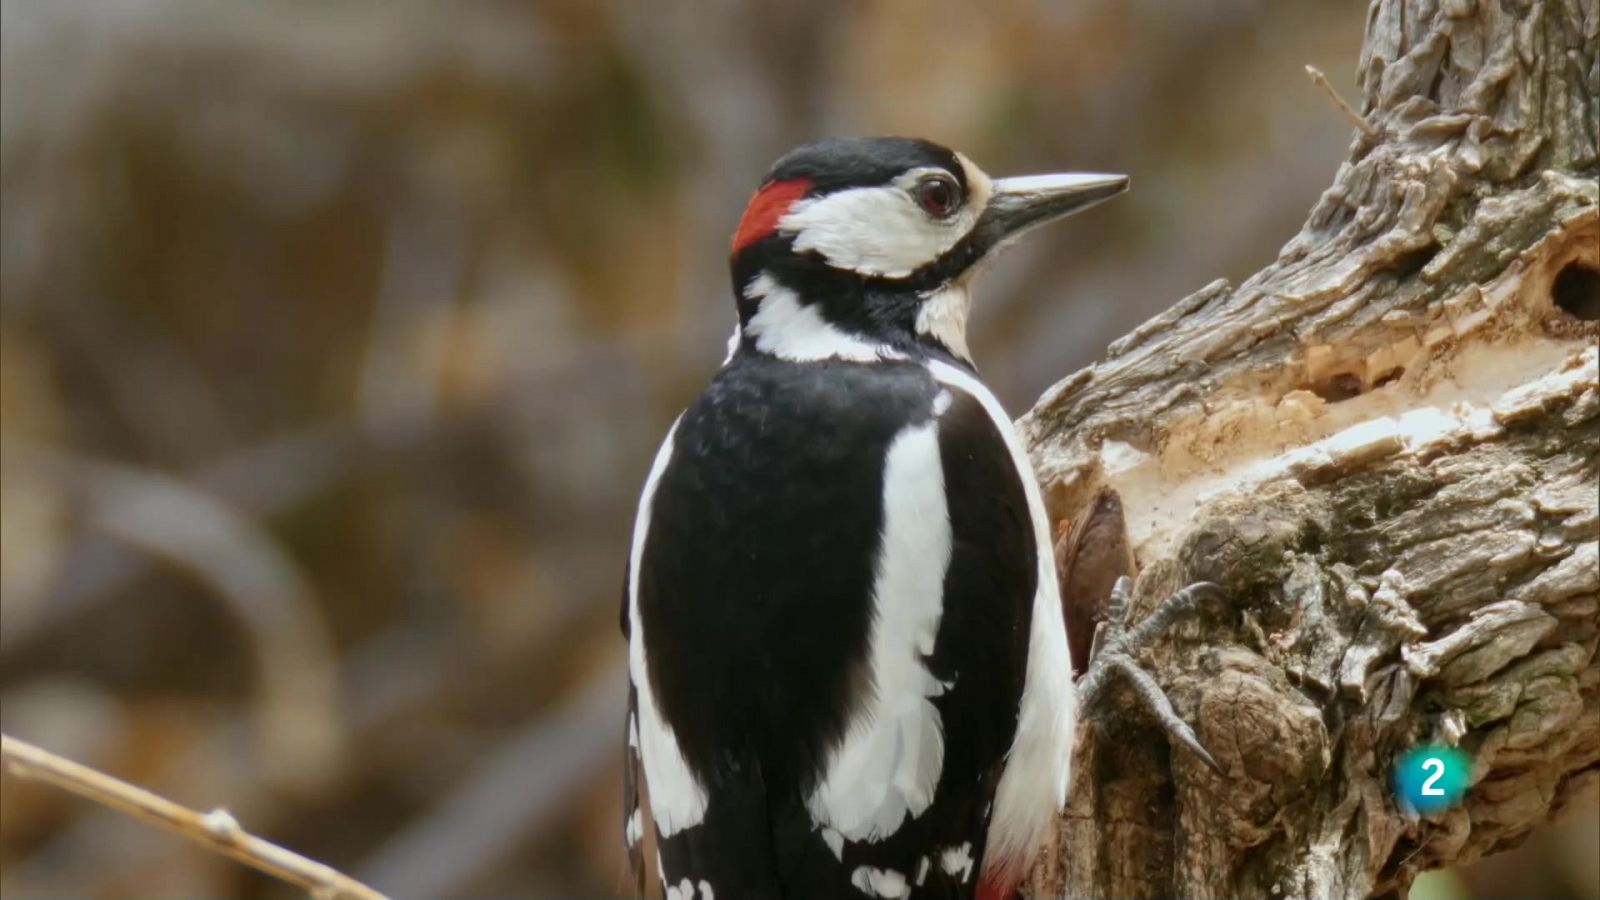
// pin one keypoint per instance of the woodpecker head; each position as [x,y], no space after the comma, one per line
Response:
[861,247]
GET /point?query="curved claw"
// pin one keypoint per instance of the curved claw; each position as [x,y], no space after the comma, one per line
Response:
[1180,729]
[1155,700]
[1203,590]
[1178,605]
[1112,654]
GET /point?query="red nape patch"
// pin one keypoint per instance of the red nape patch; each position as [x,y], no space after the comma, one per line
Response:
[766,208]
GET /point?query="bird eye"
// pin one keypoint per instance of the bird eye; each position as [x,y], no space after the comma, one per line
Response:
[937,195]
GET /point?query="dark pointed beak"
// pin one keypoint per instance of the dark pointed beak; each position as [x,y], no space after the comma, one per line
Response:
[1018,204]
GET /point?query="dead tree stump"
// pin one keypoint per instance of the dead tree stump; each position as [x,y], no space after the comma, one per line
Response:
[1386,447]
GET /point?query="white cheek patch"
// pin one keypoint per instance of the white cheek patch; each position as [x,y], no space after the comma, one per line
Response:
[877,231]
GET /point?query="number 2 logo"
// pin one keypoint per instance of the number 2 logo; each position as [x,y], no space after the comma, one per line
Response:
[1432,778]
[1430,787]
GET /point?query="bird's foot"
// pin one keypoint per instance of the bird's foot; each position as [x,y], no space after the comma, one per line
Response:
[1115,644]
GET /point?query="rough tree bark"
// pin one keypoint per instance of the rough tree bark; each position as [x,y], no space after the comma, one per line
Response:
[1385,446]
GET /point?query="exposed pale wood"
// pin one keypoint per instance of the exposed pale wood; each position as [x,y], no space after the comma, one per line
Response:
[1386,446]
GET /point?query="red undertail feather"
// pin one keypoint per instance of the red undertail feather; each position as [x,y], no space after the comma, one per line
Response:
[997,887]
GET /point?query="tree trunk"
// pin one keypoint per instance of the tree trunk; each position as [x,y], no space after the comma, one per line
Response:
[1385,446]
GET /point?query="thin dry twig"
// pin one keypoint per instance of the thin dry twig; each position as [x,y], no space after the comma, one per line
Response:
[216,830]
[1356,119]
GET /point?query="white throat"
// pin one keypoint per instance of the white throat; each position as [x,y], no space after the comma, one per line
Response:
[943,316]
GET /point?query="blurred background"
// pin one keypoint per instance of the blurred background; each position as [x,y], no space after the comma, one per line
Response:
[335,340]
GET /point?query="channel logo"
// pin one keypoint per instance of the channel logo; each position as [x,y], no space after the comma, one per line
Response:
[1430,779]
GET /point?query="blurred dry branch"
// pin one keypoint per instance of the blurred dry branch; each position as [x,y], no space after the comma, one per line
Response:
[521,790]
[216,830]
[300,722]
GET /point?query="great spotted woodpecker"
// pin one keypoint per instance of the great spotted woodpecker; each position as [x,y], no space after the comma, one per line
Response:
[849,669]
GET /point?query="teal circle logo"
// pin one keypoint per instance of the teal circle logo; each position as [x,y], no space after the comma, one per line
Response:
[1430,779]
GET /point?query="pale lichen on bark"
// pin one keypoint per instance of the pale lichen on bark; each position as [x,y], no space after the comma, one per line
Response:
[1386,447]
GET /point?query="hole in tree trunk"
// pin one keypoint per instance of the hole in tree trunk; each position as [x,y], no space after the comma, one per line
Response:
[1576,292]
[1413,262]
[1338,387]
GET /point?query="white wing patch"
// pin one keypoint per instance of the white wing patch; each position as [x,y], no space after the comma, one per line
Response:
[835,842]
[875,882]
[790,329]
[634,828]
[888,764]
[1034,786]
[686,890]
[957,862]
[677,799]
